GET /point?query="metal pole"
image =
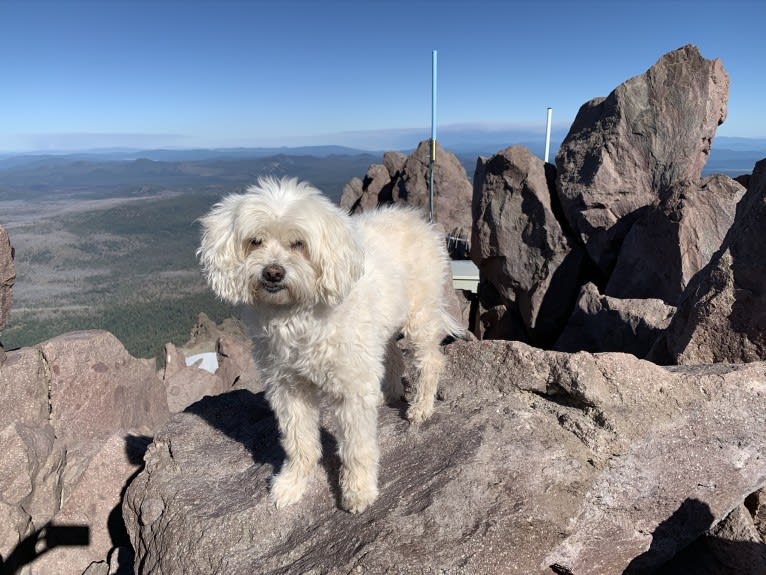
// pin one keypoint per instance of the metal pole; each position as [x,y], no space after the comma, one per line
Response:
[432,159]
[548,134]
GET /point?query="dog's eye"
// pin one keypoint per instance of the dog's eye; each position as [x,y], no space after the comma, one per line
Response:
[297,245]
[255,242]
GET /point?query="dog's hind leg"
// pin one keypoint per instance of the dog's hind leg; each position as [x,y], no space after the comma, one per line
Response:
[357,417]
[393,390]
[429,362]
[425,333]
[296,406]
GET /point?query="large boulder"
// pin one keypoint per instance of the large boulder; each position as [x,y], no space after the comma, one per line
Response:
[722,314]
[187,384]
[533,459]
[76,399]
[93,504]
[674,239]
[601,323]
[97,387]
[518,244]
[622,151]
[405,180]
[31,475]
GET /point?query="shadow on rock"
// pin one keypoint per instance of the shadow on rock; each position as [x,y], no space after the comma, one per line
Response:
[245,417]
[689,521]
[41,542]
[672,552]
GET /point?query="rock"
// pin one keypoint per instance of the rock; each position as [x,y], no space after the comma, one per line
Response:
[675,239]
[184,384]
[731,546]
[24,385]
[7,277]
[532,459]
[94,503]
[206,332]
[237,368]
[97,387]
[452,190]
[30,481]
[756,504]
[519,246]
[622,151]
[743,180]
[722,314]
[404,180]
[352,191]
[30,476]
[601,323]
[395,162]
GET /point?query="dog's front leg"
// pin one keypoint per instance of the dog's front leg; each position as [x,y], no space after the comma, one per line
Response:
[357,417]
[296,406]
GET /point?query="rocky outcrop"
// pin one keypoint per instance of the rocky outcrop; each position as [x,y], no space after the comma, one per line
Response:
[533,459]
[83,413]
[722,315]
[77,399]
[601,323]
[518,245]
[627,193]
[623,151]
[404,180]
[7,277]
[97,387]
[674,239]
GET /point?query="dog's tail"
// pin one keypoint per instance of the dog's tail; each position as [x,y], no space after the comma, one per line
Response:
[452,327]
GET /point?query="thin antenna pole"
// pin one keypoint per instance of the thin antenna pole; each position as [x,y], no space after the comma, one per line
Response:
[548,134]
[432,159]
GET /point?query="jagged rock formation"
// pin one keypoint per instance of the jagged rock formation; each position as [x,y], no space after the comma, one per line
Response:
[627,185]
[83,413]
[7,277]
[602,323]
[532,459]
[674,239]
[623,151]
[722,315]
[77,400]
[525,259]
[404,180]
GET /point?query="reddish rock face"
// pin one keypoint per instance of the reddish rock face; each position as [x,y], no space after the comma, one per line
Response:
[519,246]
[722,314]
[675,238]
[97,387]
[7,276]
[404,180]
[623,151]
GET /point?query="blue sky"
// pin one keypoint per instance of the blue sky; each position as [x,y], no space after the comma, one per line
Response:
[189,73]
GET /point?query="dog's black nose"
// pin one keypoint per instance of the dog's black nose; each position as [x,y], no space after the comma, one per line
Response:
[273,273]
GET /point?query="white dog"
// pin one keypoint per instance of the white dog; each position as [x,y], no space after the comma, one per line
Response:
[330,293]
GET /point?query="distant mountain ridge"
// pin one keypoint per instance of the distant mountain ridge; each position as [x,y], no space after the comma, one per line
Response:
[325,165]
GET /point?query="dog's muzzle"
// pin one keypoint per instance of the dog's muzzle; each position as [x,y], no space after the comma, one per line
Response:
[271,278]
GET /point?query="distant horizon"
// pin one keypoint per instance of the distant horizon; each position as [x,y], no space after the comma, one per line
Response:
[409,141]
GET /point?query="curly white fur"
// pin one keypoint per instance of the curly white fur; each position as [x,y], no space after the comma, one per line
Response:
[331,293]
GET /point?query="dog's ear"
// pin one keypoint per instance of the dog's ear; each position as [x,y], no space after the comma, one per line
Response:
[220,252]
[340,258]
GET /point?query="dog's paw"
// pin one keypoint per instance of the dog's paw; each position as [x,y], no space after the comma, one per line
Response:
[287,488]
[417,413]
[358,499]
